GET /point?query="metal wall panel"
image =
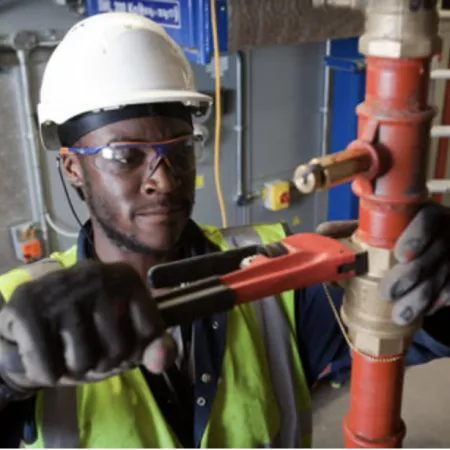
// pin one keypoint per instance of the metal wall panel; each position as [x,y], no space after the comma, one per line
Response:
[283,94]
[285,124]
[283,130]
[207,208]
[14,201]
[283,97]
[15,16]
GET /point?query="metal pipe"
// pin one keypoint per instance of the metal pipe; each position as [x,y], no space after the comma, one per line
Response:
[396,118]
[321,200]
[442,150]
[59,230]
[242,196]
[394,122]
[38,210]
[405,129]
[438,186]
[337,168]
[397,113]
[440,131]
[23,43]
[381,386]
[29,174]
[444,14]
[440,74]
[325,110]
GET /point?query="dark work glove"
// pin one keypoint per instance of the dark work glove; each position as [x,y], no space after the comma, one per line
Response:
[420,282]
[79,325]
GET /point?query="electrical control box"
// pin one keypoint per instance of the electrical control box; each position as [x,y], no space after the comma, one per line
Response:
[276,195]
[187,22]
[26,242]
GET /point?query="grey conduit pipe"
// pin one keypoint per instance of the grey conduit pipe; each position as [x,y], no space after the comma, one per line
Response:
[241,194]
[24,43]
[34,177]
[321,198]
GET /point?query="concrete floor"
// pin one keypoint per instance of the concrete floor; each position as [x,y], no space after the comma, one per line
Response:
[426,409]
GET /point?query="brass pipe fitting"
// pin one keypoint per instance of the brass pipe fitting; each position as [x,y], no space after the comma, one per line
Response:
[368,318]
[327,171]
[400,29]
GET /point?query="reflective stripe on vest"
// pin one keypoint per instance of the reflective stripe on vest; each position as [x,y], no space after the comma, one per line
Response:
[59,415]
[274,328]
[60,418]
[41,268]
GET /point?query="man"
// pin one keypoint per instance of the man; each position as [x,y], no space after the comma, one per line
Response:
[98,367]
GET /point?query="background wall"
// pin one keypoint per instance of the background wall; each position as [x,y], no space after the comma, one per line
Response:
[282,130]
[17,15]
[284,99]
[14,201]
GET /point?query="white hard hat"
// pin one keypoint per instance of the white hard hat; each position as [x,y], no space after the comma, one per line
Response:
[109,61]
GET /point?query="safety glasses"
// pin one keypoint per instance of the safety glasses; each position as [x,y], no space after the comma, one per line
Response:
[122,158]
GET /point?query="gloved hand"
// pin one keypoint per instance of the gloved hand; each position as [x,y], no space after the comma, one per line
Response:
[81,324]
[420,282]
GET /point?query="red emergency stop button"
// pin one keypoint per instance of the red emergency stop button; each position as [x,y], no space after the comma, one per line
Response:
[284,198]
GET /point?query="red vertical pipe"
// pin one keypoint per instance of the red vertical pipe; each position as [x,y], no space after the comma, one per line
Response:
[396,100]
[374,420]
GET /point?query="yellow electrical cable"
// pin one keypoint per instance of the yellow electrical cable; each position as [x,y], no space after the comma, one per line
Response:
[223,212]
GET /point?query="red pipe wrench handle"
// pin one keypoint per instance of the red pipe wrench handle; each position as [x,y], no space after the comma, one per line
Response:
[295,262]
[302,260]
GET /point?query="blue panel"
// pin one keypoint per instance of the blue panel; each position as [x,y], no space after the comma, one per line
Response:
[348,87]
[187,21]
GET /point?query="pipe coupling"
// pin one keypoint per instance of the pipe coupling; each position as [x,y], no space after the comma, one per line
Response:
[367,317]
[400,29]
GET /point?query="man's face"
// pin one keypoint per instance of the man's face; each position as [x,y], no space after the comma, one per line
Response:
[139,210]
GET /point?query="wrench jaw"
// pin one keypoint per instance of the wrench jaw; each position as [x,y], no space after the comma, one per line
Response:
[255,272]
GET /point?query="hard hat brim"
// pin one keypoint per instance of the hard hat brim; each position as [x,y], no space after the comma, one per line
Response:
[50,118]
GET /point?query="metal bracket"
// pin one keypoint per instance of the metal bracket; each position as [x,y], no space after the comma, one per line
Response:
[24,40]
[77,6]
[246,199]
[27,40]
[345,65]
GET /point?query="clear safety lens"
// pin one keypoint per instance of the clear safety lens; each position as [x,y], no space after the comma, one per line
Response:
[123,158]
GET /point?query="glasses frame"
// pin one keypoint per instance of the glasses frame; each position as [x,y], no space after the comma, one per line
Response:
[159,146]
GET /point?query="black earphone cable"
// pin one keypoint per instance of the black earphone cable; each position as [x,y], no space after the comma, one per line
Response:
[69,201]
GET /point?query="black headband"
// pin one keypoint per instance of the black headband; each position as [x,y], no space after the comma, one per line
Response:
[74,129]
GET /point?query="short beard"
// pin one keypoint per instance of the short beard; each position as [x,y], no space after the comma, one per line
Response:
[102,215]
[125,241]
